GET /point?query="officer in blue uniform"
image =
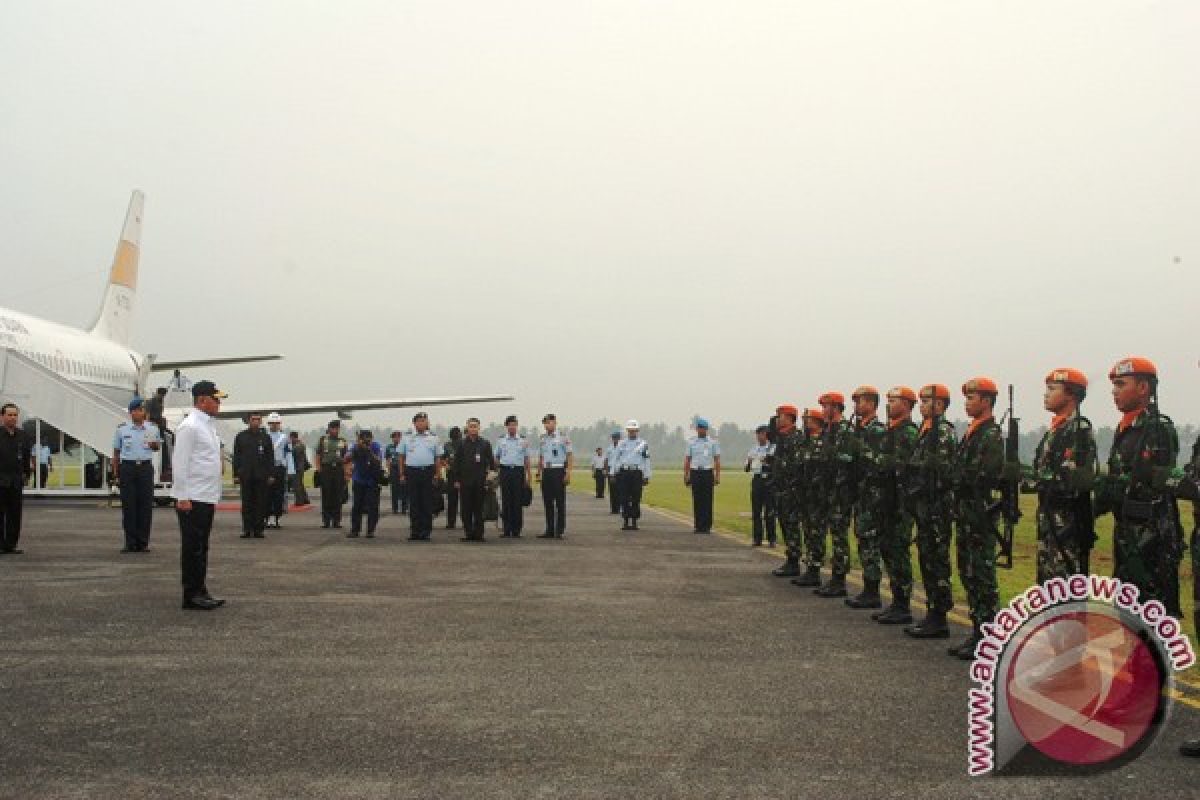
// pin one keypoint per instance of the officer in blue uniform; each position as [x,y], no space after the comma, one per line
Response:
[614,497]
[631,464]
[555,459]
[702,471]
[134,446]
[512,454]
[762,505]
[420,461]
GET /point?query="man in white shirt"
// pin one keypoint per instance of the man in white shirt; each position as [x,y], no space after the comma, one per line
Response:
[197,489]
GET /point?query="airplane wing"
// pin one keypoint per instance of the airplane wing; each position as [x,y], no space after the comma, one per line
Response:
[344,407]
[169,366]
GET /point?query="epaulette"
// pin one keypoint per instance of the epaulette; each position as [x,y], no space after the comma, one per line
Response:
[1084,423]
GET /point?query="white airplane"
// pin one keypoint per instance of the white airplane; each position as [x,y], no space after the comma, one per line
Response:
[102,360]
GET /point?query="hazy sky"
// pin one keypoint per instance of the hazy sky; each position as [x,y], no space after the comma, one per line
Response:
[617,209]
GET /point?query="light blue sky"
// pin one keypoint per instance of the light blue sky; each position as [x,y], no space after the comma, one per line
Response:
[691,206]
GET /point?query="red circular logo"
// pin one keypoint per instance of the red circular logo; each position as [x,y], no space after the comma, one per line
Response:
[1083,688]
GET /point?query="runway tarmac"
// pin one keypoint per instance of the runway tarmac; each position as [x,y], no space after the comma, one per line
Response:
[657,664]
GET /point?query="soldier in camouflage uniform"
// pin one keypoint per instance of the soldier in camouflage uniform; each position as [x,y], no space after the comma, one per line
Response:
[835,460]
[1147,535]
[869,433]
[815,505]
[928,482]
[1188,488]
[1064,467]
[895,525]
[980,468]
[787,483]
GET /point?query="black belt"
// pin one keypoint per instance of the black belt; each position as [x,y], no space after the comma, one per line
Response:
[134,463]
[417,469]
[559,466]
[701,469]
[630,469]
[507,466]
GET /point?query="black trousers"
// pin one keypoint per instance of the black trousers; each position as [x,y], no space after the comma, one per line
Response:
[629,484]
[278,492]
[472,495]
[137,502]
[554,497]
[702,499]
[11,498]
[512,512]
[194,529]
[399,493]
[451,504]
[598,474]
[333,494]
[420,500]
[366,501]
[43,475]
[762,509]
[614,494]
[254,504]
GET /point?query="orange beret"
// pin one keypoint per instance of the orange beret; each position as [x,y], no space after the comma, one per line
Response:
[903,392]
[865,391]
[814,413]
[936,390]
[1134,365]
[981,385]
[1067,375]
[788,409]
[832,397]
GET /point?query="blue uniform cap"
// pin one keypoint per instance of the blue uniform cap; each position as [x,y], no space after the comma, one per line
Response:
[136,403]
[701,422]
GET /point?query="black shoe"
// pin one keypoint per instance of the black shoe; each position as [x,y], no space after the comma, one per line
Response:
[412,537]
[11,551]
[932,627]
[894,615]
[771,543]
[204,593]
[129,550]
[324,524]
[246,535]
[199,603]
[836,587]
[370,534]
[352,535]
[787,569]
[867,598]
[633,526]
[756,543]
[966,650]
[546,535]
[1190,748]
[259,535]
[559,535]
[811,577]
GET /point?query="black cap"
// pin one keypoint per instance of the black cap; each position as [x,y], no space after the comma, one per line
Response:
[397,433]
[549,417]
[334,423]
[762,429]
[206,389]
[420,415]
[365,433]
[511,418]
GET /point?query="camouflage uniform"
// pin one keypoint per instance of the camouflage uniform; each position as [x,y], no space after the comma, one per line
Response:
[895,524]
[979,470]
[1064,466]
[815,507]
[834,459]
[872,493]
[1147,534]
[927,485]
[787,476]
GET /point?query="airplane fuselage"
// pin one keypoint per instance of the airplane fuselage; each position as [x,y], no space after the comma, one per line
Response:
[105,367]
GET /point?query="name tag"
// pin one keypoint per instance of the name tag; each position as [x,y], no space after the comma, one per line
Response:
[478,458]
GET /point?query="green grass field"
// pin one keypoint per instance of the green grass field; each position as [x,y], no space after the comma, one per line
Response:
[731,512]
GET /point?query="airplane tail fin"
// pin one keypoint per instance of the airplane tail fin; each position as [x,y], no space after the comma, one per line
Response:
[115,318]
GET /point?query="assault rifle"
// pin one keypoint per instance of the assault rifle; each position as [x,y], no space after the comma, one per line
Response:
[1010,486]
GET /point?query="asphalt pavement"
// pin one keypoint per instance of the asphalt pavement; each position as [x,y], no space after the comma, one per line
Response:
[655,664]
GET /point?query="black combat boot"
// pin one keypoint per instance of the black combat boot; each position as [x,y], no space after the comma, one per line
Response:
[897,613]
[867,598]
[788,568]
[836,587]
[966,650]
[932,627]
[811,577]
